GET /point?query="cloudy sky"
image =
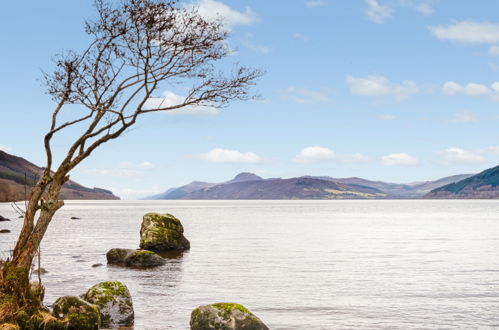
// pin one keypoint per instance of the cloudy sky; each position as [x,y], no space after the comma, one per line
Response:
[393,90]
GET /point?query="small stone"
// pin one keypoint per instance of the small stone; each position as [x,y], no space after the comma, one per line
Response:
[41,271]
[79,314]
[162,232]
[75,218]
[134,258]
[97,265]
[4,231]
[114,301]
[227,316]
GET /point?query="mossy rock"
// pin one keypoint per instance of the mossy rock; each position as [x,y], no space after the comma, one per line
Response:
[37,290]
[162,232]
[134,258]
[77,313]
[225,316]
[114,301]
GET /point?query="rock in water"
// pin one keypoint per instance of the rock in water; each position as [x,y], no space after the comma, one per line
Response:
[4,231]
[3,219]
[79,314]
[226,316]
[114,301]
[134,258]
[162,232]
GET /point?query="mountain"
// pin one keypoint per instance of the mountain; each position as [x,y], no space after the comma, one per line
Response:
[251,186]
[483,185]
[17,175]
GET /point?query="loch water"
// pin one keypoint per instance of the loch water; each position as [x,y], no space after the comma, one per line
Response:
[296,264]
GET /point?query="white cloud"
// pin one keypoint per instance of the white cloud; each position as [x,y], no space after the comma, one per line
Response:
[213,10]
[468,32]
[256,47]
[464,117]
[5,148]
[401,159]
[307,96]
[472,89]
[458,156]
[380,86]
[228,156]
[387,116]
[316,3]
[494,51]
[317,154]
[378,13]
[169,98]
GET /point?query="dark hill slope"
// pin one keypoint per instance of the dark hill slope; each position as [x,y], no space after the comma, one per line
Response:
[16,171]
[482,185]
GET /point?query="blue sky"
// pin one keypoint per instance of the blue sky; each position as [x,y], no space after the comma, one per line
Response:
[393,90]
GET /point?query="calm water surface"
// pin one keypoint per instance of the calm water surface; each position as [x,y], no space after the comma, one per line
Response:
[295,264]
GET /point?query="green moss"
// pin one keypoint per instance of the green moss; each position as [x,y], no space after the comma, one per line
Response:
[226,309]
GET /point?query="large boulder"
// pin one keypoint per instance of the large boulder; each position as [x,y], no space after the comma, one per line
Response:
[77,313]
[114,301]
[162,232]
[225,316]
[134,258]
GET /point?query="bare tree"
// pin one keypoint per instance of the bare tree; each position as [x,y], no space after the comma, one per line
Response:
[138,46]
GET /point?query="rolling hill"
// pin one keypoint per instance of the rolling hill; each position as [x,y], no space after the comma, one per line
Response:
[17,175]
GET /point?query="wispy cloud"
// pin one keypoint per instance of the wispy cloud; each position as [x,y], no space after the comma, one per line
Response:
[215,10]
[381,86]
[256,47]
[464,117]
[458,156]
[300,36]
[425,8]
[5,148]
[123,170]
[317,154]
[494,51]
[400,159]
[307,96]
[169,98]
[387,116]
[378,13]
[219,155]
[316,3]
[467,32]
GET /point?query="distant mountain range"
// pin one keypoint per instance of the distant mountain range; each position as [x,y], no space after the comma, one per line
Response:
[484,185]
[17,175]
[251,186]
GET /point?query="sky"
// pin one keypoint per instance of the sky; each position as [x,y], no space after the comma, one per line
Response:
[392,90]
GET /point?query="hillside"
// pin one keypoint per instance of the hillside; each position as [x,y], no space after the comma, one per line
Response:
[17,175]
[484,185]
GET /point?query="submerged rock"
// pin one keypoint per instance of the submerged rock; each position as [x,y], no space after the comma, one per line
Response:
[4,231]
[97,265]
[134,258]
[114,301]
[162,232]
[226,316]
[3,219]
[77,313]
[41,271]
